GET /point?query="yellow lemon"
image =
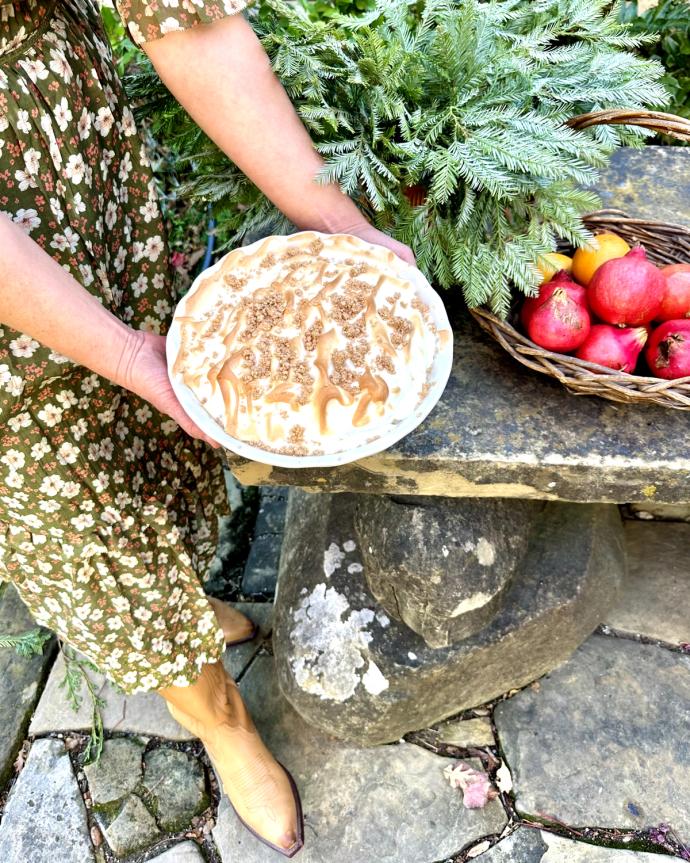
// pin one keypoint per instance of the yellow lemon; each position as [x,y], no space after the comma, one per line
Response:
[549,265]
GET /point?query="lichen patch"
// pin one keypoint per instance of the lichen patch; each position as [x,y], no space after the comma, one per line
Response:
[330,642]
[332,559]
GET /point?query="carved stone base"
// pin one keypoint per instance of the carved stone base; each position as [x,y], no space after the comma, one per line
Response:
[352,671]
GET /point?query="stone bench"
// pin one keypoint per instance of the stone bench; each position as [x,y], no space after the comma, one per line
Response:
[480,551]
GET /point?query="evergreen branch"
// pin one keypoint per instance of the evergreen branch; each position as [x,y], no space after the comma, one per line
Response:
[76,677]
[29,643]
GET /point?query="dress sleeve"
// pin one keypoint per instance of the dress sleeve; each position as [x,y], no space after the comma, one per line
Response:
[147,20]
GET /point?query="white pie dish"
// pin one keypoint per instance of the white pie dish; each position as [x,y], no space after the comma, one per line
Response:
[399,427]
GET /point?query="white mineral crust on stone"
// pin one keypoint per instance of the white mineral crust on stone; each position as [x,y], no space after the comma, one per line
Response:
[332,559]
[373,679]
[330,645]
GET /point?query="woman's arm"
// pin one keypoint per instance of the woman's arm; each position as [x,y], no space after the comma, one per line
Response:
[222,76]
[38,297]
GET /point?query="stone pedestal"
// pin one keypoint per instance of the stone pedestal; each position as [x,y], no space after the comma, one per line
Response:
[439,565]
[352,669]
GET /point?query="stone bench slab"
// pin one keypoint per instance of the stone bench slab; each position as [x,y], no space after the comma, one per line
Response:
[502,430]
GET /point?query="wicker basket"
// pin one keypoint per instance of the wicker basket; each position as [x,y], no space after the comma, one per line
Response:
[665,244]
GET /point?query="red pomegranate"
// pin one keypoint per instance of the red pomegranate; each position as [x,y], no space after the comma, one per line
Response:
[676,302]
[668,352]
[613,347]
[560,280]
[559,323]
[627,291]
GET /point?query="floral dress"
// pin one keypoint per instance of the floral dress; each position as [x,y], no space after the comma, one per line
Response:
[108,512]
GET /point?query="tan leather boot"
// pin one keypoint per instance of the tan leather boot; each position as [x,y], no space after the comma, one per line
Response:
[261,791]
[237,628]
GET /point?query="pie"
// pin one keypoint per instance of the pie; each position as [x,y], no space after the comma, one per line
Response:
[308,344]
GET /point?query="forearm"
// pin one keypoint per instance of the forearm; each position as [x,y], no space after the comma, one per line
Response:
[38,297]
[222,76]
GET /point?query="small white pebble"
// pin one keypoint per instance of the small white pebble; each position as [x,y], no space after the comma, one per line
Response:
[411,655]
[444,550]
[478,849]
[349,545]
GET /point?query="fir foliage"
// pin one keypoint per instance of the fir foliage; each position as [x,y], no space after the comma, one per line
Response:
[463,97]
[29,643]
[76,679]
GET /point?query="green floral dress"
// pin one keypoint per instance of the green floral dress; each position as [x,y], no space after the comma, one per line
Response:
[108,512]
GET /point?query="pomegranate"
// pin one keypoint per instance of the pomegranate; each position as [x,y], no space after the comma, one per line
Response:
[668,352]
[676,302]
[613,347]
[627,290]
[560,323]
[560,280]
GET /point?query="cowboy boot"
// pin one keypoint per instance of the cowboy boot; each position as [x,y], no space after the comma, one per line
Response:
[237,628]
[261,791]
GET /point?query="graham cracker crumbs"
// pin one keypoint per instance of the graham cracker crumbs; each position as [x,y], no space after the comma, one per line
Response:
[345,306]
[401,327]
[342,375]
[359,269]
[285,354]
[355,328]
[264,313]
[235,283]
[358,351]
[296,434]
[384,363]
[300,373]
[270,260]
[311,336]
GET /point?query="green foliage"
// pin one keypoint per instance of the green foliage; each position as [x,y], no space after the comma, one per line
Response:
[77,675]
[669,24]
[319,9]
[124,50]
[29,643]
[467,98]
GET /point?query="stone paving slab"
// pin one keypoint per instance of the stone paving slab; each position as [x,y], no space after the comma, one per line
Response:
[390,803]
[45,817]
[528,845]
[132,830]
[261,570]
[655,599]
[185,852]
[604,739]
[143,713]
[117,772]
[20,679]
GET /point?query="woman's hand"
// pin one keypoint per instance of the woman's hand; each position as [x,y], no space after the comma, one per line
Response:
[146,374]
[370,234]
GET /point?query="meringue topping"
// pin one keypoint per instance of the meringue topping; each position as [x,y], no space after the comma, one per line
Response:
[307,344]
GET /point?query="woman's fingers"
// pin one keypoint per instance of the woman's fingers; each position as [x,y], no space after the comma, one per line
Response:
[372,235]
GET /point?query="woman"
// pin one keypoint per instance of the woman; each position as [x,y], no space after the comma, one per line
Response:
[108,493]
